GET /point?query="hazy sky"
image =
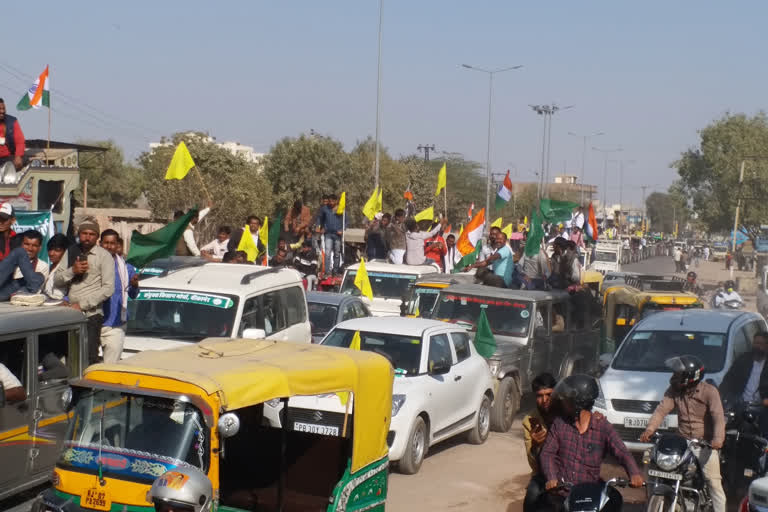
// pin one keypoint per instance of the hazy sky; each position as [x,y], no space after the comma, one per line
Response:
[648,74]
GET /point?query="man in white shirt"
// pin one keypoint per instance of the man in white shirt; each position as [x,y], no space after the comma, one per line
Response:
[217,248]
[577,220]
[14,391]
[729,294]
[189,247]
[452,256]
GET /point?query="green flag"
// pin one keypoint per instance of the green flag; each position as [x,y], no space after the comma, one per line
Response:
[556,211]
[157,244]
[485,343]
[468,259]
[535,235]
[274,234]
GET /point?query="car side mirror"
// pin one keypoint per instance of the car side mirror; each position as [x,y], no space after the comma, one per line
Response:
[440,367]
[2,395]
[254,334]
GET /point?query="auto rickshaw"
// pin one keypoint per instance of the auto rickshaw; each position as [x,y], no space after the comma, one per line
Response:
[211,406]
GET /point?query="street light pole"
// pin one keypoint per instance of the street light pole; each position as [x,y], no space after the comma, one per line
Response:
[547,111]
[605,153]
[378,101]
[584,138]
[490,73]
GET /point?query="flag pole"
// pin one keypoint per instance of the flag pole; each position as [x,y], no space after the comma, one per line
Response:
[343,232]
[48,146]
[200,175]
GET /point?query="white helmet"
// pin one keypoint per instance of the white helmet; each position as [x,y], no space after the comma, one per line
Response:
[182,488]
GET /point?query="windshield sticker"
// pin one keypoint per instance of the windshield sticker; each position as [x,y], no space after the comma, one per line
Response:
[525,313]
[127,464]
[642,335]
[713,341]
[399,372]
[216,301]
[415,342]
[151,271]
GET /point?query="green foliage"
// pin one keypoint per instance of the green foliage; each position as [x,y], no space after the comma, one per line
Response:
[664,209]
[112,183]
[238,188]
[709,174]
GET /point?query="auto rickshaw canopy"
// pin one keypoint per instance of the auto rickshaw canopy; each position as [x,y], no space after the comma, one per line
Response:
[249,372]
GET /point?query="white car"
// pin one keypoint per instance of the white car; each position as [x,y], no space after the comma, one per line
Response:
[635,380]
[442,387]
[390,283]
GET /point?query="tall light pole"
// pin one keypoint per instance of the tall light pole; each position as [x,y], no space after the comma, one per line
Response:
[585,138]
[378,101]
[547,111]
[606,152]
[490,73]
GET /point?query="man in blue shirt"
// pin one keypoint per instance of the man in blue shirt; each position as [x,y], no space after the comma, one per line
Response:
[501,261]
[115,309]
[332,225]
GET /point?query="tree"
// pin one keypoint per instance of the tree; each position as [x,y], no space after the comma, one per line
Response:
[112,183]
[238,188]
[709,174]
[664,210]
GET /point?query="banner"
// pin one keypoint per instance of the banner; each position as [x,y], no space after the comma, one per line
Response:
[39,220]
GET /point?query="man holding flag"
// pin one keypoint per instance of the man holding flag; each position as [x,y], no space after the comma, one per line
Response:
[12,143]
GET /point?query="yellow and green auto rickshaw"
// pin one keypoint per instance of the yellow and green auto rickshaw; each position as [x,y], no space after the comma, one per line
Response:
[274,426]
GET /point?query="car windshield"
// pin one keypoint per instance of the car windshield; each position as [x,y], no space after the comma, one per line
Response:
[180,314]
[322,317]
[404,352]
[647,351]
[384,285]
[422,301]
[605,256]
[133,435]
[507,317]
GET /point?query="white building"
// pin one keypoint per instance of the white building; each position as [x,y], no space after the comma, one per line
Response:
[235,148]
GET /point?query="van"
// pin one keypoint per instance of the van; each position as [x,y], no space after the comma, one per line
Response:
[217,300]
[390,284]
[42,347]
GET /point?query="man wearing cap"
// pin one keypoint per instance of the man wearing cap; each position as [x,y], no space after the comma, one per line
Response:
[6,233]
[11,139]
[91,281]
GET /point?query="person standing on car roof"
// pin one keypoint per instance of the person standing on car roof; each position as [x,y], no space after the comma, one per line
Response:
[699,416]
[116,307]
[12,143]
[396,237]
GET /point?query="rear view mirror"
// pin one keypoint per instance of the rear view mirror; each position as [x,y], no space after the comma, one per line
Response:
[254,334]
[2,395]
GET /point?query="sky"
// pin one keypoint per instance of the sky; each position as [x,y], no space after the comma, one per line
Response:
[647,74]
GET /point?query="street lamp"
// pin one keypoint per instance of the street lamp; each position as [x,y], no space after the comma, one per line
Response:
[490,73]
[547,111]
[606,152]
[378,101]
[585,138]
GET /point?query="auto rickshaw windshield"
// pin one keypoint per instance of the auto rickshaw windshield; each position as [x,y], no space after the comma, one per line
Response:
[134,436]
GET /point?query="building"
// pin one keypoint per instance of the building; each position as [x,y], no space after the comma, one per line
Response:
[235,148]
[563,186]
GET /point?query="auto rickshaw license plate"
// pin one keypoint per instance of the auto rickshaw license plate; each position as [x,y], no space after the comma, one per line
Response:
[96,498]
[311,428]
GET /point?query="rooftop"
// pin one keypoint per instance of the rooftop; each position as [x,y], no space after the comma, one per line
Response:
[25,318]
[222,278]
[392,325]
[692,320]
[481,290]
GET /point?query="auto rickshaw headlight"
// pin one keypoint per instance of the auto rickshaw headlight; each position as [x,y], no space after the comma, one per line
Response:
[397,403]
[229,425]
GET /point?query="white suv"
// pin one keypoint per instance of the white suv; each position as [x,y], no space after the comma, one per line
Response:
[442,387]
[635,380]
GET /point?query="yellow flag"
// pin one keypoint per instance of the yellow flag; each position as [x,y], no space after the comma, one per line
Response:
[371,206]
[362,282]
[355,343]
[247,245]
[380,202]
[264,233]
[496,223]
[181,163]
[427,214]
[461,229]
[507,230]
[342,204]
[440,180]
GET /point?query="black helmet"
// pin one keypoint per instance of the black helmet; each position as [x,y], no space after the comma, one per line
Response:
[687,370]
[580,391]
[692,274]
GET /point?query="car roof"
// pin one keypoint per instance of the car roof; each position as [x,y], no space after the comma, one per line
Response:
[693,319]
[334,299]
[439,277]
[28,318]
[482,290]
[231,278]
[393,325]
[392,268]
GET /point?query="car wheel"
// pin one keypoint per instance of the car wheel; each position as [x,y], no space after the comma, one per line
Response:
[505,406]
[479,432]
[416,449]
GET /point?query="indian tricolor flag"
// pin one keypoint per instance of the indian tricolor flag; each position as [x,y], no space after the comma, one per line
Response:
[471,234]
[505,193]
[37,96]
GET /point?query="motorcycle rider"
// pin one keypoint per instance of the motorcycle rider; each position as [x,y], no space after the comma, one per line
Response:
[578,442]
[747,380]
[728,295]
[691,285]
[700,416]
[182,490]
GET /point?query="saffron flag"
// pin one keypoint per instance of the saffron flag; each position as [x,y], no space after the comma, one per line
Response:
[471,234]
[427,214]
[38,95]
[342,204]
[440,180]
[468,259]
[505,193]
[181,163]
[469,212]
[408,195]
[591,225]
[157,244]
[497,223]
[355,343]
[485,343]
[247,245]
[362,282]
[371,206]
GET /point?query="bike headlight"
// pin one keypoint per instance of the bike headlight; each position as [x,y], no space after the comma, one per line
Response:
[667,462]
[494,365]
[397,403]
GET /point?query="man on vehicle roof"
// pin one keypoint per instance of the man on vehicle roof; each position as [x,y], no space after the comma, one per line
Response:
[12,143]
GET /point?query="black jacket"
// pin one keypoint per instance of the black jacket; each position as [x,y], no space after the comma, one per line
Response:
[234,241]
[736,379]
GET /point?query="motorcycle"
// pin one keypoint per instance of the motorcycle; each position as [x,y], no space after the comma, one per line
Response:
[743,457]
[598,497]
[733,304]
[675,478]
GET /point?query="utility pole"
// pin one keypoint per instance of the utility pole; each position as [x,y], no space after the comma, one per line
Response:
[547,111]
[426,148]
[644,209]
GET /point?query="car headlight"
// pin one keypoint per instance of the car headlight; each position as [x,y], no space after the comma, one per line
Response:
[494,365]
[600,401]
[397,403]
[668,462]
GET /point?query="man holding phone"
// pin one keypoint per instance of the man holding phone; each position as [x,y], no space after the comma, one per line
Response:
[535,427]
[91,281]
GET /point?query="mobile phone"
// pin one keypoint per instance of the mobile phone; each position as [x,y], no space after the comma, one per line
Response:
[82,257]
